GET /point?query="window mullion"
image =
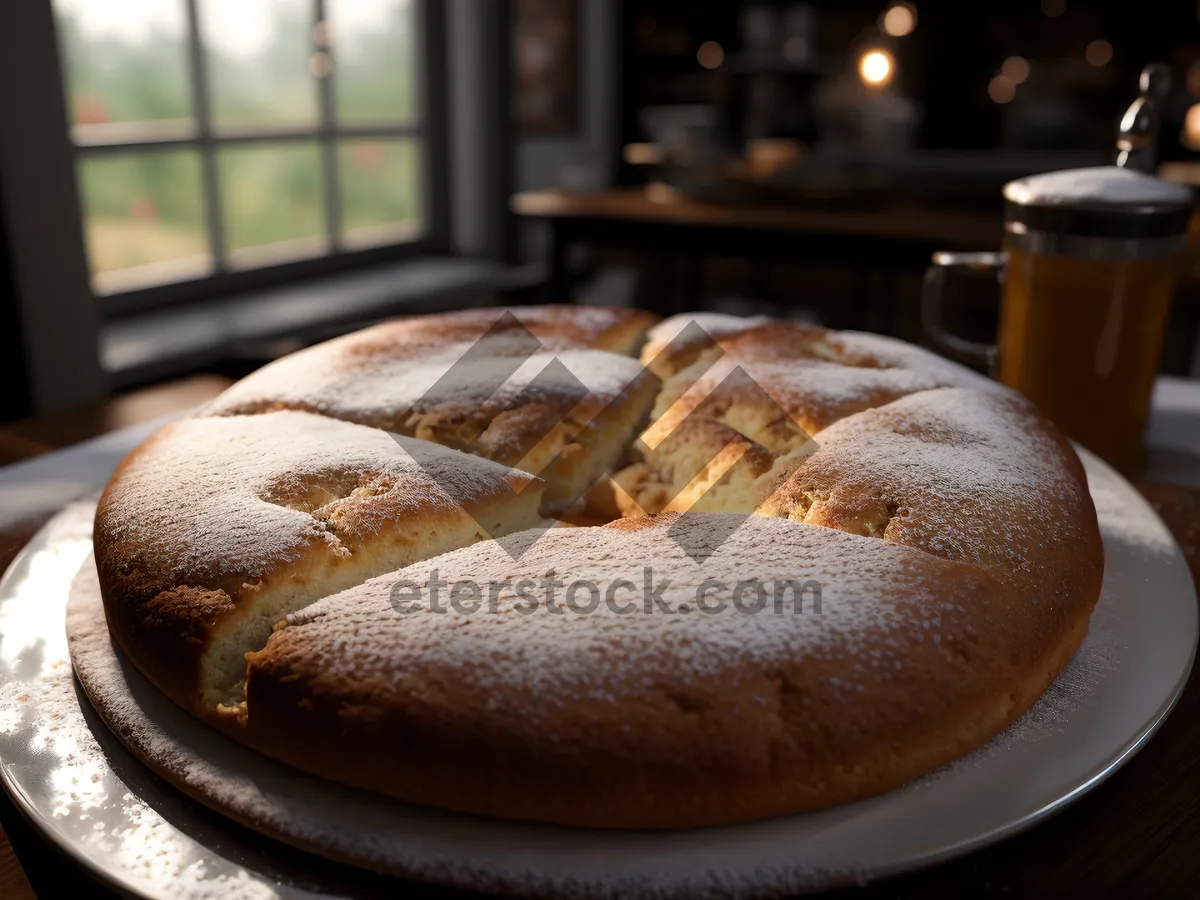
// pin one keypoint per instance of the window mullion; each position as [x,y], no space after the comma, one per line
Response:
[265,136]
[429,118]
[202,111]
[329,154]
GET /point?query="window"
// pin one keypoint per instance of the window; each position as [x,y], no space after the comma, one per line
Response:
[218,138]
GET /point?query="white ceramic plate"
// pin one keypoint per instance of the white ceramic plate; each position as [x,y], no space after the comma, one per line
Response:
[92,797]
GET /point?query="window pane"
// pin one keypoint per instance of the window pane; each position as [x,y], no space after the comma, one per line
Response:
[126,68]
[144,219]
[258,63]
[273,202]
[375,60]
[380,191]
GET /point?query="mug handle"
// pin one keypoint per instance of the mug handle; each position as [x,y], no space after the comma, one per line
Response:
[945,265]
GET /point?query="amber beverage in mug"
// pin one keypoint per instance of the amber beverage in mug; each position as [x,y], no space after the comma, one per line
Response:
[1088,270]
[1081,338]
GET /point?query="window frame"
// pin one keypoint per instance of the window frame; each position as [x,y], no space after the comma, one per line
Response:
[428,127]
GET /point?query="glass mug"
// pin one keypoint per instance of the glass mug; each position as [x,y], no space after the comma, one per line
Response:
[1082,316]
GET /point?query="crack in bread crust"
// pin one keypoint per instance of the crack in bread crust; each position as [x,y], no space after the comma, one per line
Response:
[253,616]
[335,507]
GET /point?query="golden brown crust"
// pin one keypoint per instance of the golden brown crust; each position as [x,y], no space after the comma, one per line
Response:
[748,738]
[960,559]
[387,376]
[429,761]
[675,343]
[216,527]
[213,524]
[782,383]
[948,522]
[617,329]
[544,389]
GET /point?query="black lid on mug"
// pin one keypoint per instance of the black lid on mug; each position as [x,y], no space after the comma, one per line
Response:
[1103,201]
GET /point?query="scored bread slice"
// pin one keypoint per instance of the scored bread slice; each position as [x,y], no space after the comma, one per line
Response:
[618,677]
[216,528]
[374,376]
[567,417]
[967,476]
[617,329]
[547,404]
[781,384]
[676,342]
[948,532]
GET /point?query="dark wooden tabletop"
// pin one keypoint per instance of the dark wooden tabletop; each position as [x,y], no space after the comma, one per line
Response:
[1135,836]
[901,219]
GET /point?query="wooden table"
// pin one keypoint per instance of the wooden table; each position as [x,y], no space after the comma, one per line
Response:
[1135,836]
[22,440]
[891,236]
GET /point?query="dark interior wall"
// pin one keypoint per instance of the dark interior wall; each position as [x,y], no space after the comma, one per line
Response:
[15,399]
[540,162]
[945,64]
[46,271]
[587,159]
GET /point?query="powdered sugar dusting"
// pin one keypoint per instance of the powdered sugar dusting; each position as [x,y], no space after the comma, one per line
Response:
[1026,772]
[367,380]
[1134,539]
[815,392]
[714,324]
[875,598]
[856,346]
[1113,508]
[969,476]
[212,496]
[889,611]
[819,377]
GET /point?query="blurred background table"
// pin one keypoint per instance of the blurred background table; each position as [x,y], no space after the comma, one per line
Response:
[883,245]
[899,236]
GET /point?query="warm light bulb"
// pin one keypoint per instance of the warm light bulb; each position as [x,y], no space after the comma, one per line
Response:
[1191,127]
[710,55]
[899,19]
[1015,69]
[1098,53]
[876,68]
[1002,89]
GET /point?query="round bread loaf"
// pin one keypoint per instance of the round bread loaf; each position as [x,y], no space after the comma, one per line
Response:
[864,561]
